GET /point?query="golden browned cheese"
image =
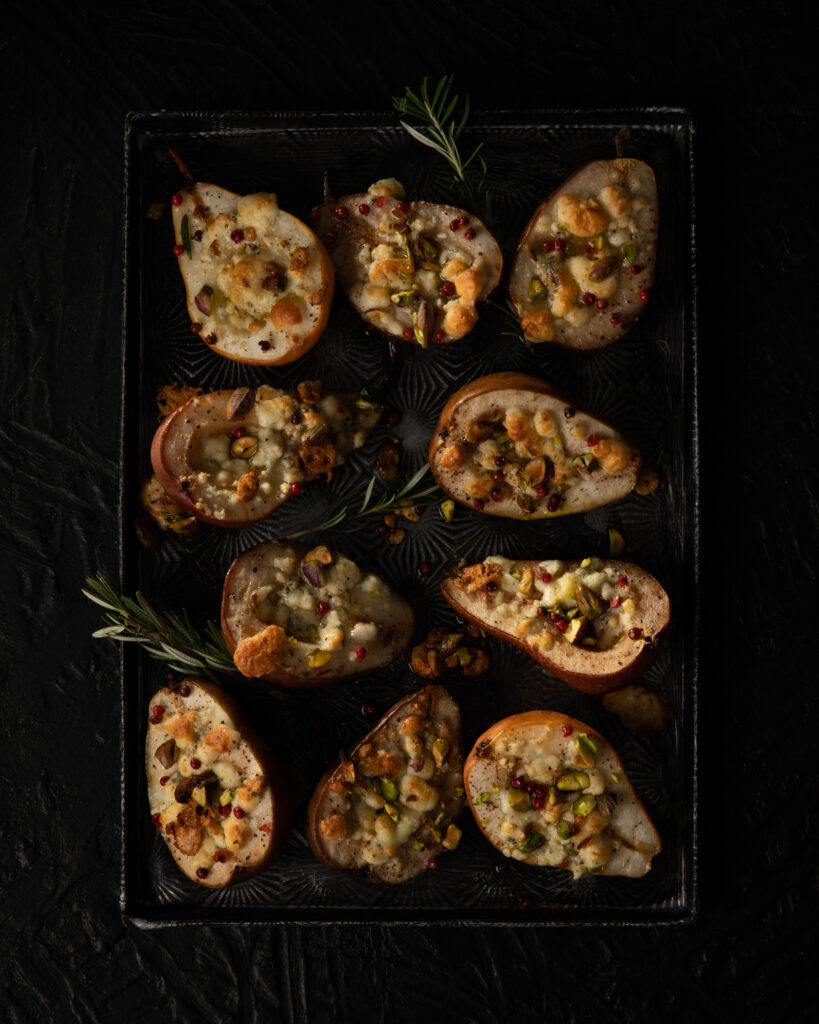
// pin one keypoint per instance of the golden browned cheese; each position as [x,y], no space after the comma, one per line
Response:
[469,283]
[247,486]
[181,727]
[299,260]
[218,739]
[459,320]
[310,391]
[567,292]
[615,199]
[612,454]
[318,459]
[377,762]
[538,325]
[452,457]
[261,654]
[582,217]
[285,313]
[476,577]
[334,826]
[517,426]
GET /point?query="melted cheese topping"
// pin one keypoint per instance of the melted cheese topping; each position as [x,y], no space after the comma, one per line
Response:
[592,605]
[211,800]
[329,628]
[562,800]
[542,461]
[274,433]
[396,794]
[578,261]
[256,282]
[410,272]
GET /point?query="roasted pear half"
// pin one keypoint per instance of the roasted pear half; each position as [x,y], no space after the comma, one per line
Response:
[546,789]
[216,792]
[389,808]
[307,617]
[259,282]
[595,624]
[585,263]
[233,457]
[511,445]
[414,270]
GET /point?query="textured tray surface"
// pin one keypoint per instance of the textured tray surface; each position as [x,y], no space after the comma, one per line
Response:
[643,384]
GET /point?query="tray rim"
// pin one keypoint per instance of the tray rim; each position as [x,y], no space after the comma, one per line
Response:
[240,121]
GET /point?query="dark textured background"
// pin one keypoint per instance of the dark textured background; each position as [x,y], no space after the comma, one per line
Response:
[70,75]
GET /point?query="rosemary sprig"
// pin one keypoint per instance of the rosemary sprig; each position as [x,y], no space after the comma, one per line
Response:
[442,133]
[345,517]
[165,636]
[510,320]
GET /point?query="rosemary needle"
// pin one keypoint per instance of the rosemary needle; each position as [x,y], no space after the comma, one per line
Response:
[344,515]
[166,636]
[442,131]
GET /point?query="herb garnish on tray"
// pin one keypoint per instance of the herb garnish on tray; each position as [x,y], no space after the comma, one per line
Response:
[441,132]
[166,636]
[172,638]
[344,517]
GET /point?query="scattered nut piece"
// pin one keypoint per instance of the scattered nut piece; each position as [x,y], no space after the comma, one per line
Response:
[449,650]
[171,396]
[642,711]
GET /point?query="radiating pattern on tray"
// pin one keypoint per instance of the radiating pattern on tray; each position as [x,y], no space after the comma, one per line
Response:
[639,384]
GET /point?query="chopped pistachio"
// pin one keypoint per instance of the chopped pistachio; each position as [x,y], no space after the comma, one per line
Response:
[535,472]
[417,846]
[450,643]
[225,797]
[584,463]
[573,781]
[577,629]
[605,803]
[388,789]
[404,299]
[317,658]
[526,581]
[586,749]
[532,842]
[614,778]
[525,501]
[585,563]
[584,805]
[519,800]
[564,829]
[587,601]
[392,812]
[630,252]
[320,554]
[616,543]
[465,656]
[537,290]
[452,838]
[440,748]
[244,447]
[364,401]
[447,509]
[481,798]
[199,795]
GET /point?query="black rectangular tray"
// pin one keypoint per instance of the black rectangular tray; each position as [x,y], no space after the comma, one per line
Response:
[645,383]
